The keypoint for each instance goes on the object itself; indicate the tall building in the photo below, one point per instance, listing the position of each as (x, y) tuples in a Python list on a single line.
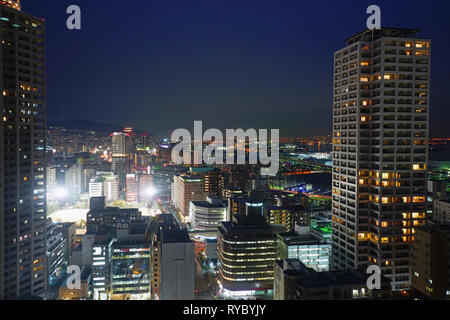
[(146, 189), (214, 183), (22, 154), (119, 157), (132, 188), (50, 183), (380, 132)]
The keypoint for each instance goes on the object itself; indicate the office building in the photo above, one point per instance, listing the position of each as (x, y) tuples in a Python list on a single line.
[(104, 184), (159, 224), (207, 215), (146, 188), (380, 150), (177, 269), (246, 251), (101, 256), (51, 185), (23, 220), (101, 217), (187, 188), (73, 181), (305, 246), (119, 157), (130, 263), (132, 188)]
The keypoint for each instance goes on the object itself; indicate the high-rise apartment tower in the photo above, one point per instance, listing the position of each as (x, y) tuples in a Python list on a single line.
[(22, 154), (380, 132)]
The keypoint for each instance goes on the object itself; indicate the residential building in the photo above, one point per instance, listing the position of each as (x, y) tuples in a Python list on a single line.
[(380, 150), (23, 219)]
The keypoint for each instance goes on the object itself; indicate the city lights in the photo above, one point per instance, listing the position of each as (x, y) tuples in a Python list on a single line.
[(333, 183)]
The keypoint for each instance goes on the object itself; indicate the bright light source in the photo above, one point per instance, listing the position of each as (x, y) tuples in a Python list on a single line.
[(61, 193), (150, 192)]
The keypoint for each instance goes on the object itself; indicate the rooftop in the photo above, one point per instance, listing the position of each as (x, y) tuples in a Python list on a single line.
[(371, 35), (175, 236)]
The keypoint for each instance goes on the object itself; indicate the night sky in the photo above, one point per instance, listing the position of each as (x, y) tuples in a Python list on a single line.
[(160, 65)]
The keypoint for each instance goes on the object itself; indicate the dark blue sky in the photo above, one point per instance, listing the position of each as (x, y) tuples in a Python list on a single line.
[(161, 64)]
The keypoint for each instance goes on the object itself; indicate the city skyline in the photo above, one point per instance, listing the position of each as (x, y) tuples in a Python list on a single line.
[(211, 61), (106, 195)]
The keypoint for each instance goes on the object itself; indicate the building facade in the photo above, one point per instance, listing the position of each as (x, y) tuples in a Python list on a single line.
[(430, 261), (23, 271), (380, 132), (246, 251), (207, 215)]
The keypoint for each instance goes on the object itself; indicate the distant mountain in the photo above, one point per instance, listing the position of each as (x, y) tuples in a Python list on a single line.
[(105, 128)]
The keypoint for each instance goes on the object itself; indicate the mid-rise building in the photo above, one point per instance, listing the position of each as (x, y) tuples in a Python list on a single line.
[(207, 215), (281, 216), (430, 261), (146, 187), (177, 269), (101, 257), (295, 281), (380, 149), (246, 250), (130, 263), (187, 188), (56, 252), (441, 211), (104, 184), (305, 246), (101, 217), (132, 188), (214, 183)]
